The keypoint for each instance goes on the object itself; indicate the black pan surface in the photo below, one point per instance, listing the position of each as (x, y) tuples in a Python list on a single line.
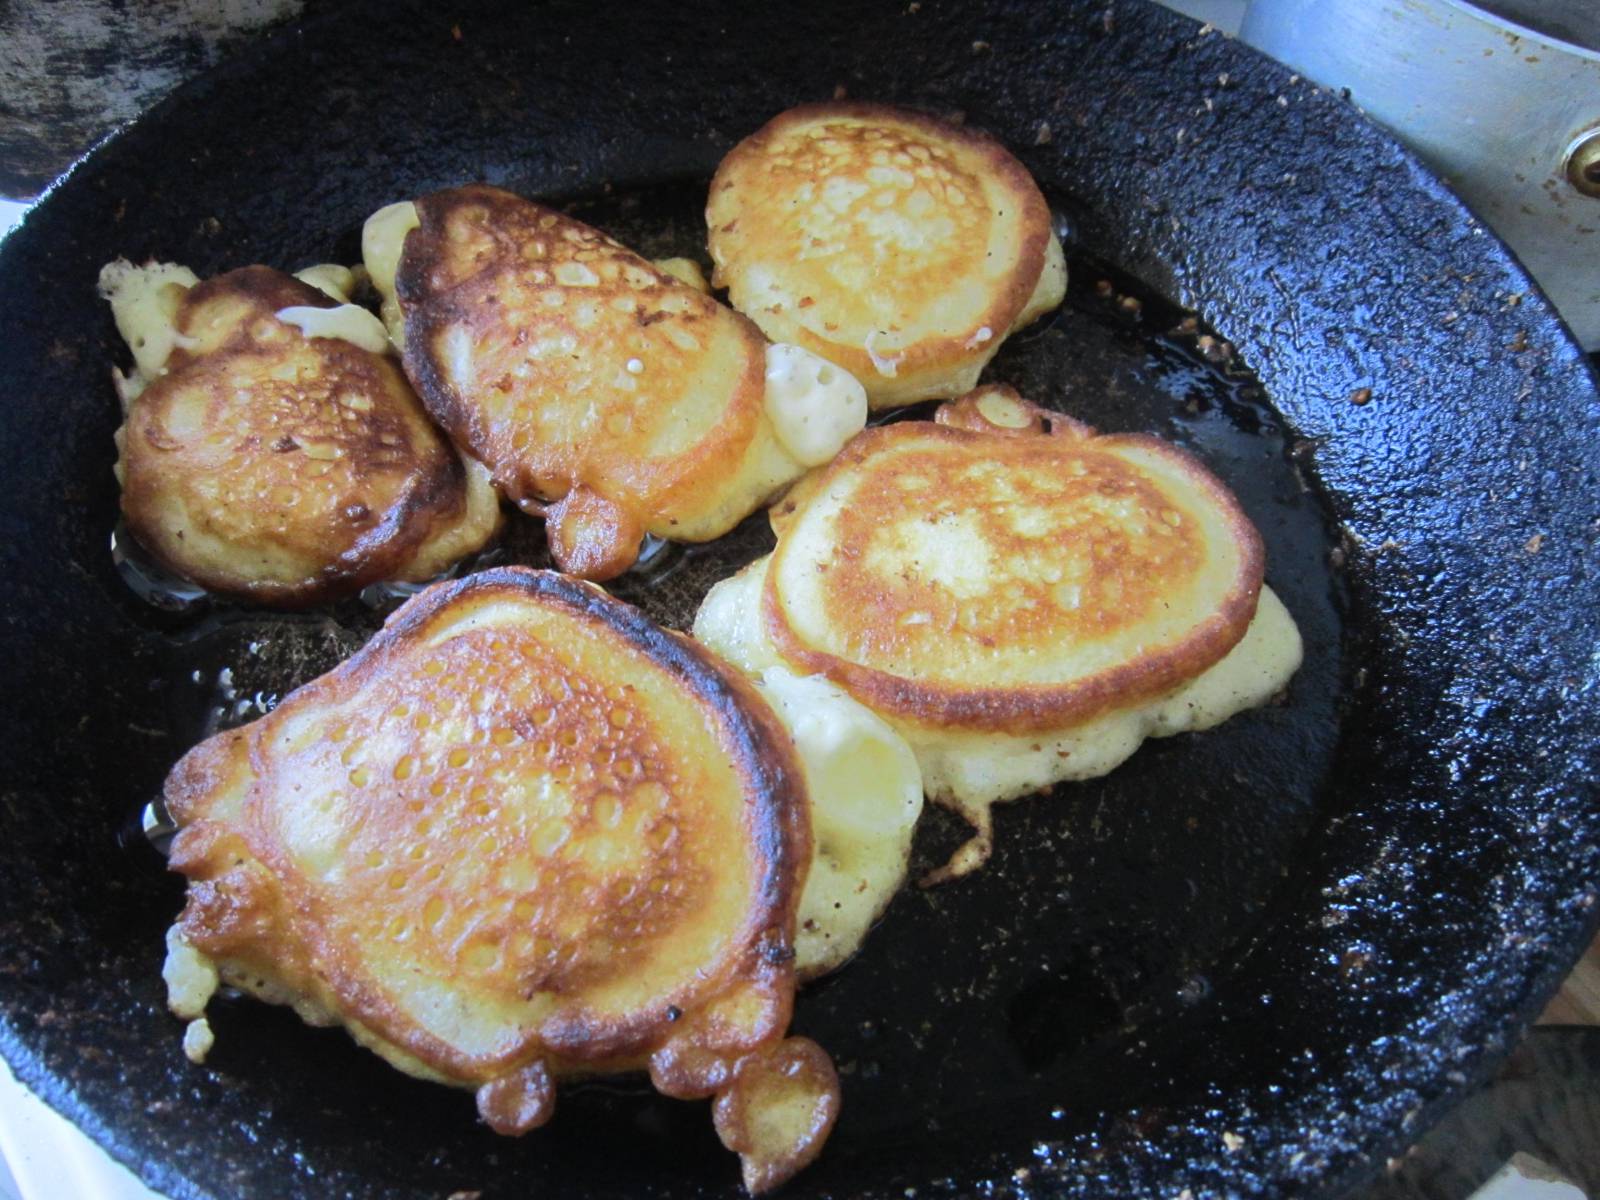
[(1252, 962)]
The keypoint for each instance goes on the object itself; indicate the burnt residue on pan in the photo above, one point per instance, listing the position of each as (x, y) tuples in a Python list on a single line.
[(1253, 961)]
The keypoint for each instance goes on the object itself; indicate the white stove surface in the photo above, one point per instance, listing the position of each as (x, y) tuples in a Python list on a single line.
[(44, 1157)]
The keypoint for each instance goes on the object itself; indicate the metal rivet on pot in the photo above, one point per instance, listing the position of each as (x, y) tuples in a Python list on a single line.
[(158, 825), (1583, 163)]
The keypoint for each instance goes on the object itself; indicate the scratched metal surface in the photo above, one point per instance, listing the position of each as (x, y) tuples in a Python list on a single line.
[(1254, 962)]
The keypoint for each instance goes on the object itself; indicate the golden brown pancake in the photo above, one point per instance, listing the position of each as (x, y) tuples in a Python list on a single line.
[(1022, 599), (602, 392), (523, 835), (1064, 572), (281, 468), (900, 247)]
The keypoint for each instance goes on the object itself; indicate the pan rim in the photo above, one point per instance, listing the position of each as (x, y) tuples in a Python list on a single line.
[(1186, 283)]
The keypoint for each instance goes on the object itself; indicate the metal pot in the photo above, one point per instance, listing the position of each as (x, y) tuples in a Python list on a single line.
[(1502, 99)]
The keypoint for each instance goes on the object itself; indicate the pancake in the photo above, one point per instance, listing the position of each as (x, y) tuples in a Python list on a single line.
[(524, 835), (271, 451), (1022, 599), (604, 393), (866, 795), (900, 247)]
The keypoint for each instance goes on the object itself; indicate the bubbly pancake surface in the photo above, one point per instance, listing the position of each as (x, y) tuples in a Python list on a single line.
[(511, 827), (898, 246), (1009, 579), (1020, 599), (289, 469), (597, 388), (522, 834)]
